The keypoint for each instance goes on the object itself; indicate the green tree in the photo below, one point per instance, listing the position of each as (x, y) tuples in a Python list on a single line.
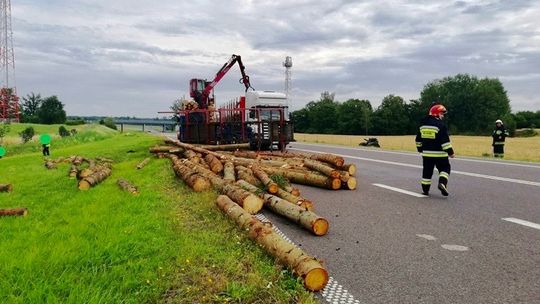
[(322, 114), (391, 117), (52, 111), (473, 104), (27, 134), (30, 107), (353, 117), (4, 129), (300, 120)]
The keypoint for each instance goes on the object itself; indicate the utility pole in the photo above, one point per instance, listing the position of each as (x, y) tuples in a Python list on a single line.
[(288, 65), (9, 102)]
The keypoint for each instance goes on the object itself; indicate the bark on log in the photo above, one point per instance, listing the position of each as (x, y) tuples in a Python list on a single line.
[(249, 177), (74, 172), (6, 187), (295, 199), (195, 148), (95, 178), (127, 186), (228, 172), (268, 183), (213, 162), (314, 275), (324, 169), (307, 178), (143, 163), (166, 149), (305, 218), (228, 147), (14, 211), (49, 164), (248, 201), (196, 181)]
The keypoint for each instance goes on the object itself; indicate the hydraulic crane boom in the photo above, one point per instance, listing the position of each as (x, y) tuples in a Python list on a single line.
[(200, 89)]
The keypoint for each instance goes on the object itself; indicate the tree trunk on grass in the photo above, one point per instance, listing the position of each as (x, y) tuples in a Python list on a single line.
[(314, 275), (14, 211), (49, 164), (213, 162), (74, 171), (95, 178), (229, 147), (6, 187), (143, 163), (195, 148), (196, 181), (270, 185), (228, 172), (127, 186)]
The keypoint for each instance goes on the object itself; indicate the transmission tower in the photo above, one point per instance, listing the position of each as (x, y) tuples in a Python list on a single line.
[(288, 65), (9, 102)]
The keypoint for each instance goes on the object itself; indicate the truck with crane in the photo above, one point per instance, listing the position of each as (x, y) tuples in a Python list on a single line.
[(260, 118)]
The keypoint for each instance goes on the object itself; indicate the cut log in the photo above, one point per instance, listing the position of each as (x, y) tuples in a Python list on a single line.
[(320, 167), (196, 181), (228, 172), (314, 275), (213, 162), (143, 163), (49, 164), (305, 218), (6, 187), (74, 172), (248, 201), (351, 168), (95, 178), (127, 186), (166, 149), (248, 176), (307, 178), (229, 147), (195, 148), (350, 184), (13, 212), (295, 199), (268, 183)]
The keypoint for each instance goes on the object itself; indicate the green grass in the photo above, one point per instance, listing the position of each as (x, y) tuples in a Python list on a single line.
[(167, 244)]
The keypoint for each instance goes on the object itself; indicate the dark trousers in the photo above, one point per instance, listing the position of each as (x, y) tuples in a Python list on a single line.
[(498, 150), (45, 150), (429, 163)]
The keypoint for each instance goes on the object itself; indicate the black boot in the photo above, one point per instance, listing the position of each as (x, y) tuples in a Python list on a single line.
[(425, 189)]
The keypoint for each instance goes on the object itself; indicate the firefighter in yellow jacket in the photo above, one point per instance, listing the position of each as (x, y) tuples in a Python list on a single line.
[(433, 142)]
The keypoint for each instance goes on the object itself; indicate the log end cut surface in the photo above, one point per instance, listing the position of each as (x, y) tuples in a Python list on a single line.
[(320, 226), (84, 185), (316, 279), (351, 184), (335, 184), (252, 204)]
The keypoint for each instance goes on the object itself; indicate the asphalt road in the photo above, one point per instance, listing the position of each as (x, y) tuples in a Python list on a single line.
[(386, 246)]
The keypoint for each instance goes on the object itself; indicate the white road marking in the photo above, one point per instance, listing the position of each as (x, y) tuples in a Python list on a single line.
[(504, 179), (400, 190), (455, 247), (427, 237), (521, 222), (501, 162), (332, 292)]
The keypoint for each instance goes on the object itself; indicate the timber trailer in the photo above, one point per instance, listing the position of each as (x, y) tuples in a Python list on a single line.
[(260, 118)]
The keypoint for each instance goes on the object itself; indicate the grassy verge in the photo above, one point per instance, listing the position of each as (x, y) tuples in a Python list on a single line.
[(517, 148), (167, 244)]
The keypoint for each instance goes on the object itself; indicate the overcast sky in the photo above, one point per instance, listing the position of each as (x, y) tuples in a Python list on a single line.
[(134, 57)]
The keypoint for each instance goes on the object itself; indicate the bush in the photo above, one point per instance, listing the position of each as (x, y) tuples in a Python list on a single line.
[(530, 132), (75, 122), (108, 122), (73, 132), (63, 131), (27, 134)]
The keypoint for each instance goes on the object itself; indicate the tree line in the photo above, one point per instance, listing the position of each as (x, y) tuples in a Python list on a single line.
[(48, 110), (473, 105)]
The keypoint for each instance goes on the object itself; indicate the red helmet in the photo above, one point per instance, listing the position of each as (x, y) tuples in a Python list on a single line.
[(436, 110)]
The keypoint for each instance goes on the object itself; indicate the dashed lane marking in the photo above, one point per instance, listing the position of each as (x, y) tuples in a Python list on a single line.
[(522, 222), (333, 292), (400, 190), (504, 179)]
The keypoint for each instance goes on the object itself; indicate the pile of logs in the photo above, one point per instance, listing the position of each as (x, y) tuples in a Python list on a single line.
[(249, 181), (88, 171)]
